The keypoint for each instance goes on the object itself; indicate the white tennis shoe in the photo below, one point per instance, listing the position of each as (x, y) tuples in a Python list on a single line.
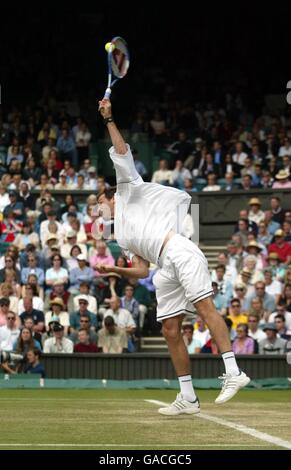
[(231, 384), (181, 406)]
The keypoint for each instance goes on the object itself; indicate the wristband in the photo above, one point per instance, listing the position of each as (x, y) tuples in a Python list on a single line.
[(107, 120)]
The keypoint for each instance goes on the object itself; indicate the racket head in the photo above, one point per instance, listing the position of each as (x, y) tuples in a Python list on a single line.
[(119, 57)]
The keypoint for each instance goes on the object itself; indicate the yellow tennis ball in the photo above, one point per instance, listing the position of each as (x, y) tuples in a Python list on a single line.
[(108, 45)]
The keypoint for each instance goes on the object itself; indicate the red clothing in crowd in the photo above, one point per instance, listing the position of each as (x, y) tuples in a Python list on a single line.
[(85, 348), (283, 251)]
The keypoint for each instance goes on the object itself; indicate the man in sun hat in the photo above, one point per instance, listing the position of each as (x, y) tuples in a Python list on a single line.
[(255, 213)]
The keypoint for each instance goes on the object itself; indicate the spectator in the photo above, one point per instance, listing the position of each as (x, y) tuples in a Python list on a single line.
[(282, 248), (243, 344), (281, 310), (272, 344), (9, 333), (273, 287), (220, 301), (82, 273), (201, 333), (264, 237), (58, 314), (83, 310), (282, 182), (280, 324), (211, 183), (163, 175), (83, 138), (278, 214), (71, 241), (58, 344), (56, 272), (235, 314), (25, 342), (4, 309), (240, 291), (32, 269), (267, 299), (29, 312), (254, 331), (256, 214), (85, 324), (33, 363), (67, 148), (84, 345), (101, 258), (129, 303), (92, 301), (122, 317), (239, 156), (27, 236), (111, 338), (193, 345), (28, 323)]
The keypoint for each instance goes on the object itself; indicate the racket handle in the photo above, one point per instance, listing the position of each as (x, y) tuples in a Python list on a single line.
[(107, 94)]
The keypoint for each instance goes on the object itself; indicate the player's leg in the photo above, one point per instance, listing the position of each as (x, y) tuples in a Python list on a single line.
[(191, 270), (186, 401)]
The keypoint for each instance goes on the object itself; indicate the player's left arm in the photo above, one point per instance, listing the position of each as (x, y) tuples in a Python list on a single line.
[(139, 268)]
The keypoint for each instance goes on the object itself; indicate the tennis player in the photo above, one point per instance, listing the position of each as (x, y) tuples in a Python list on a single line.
[(147, 220)]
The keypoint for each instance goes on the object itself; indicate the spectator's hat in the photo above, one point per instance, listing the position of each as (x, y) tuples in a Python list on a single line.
[(239, 285), (246, 272), (253, 244), (57, 301), (282, 175), (12, 193), (92, 169), (112, 274), (51, 237), (52, 322), (71, 234), (58, 282), (273, 255), (81, 257), (254, 201), (72, 214), (198, 140), (55, 247), (269, 326), (279, 233), (83, 297), (57, 327), (63, 173)]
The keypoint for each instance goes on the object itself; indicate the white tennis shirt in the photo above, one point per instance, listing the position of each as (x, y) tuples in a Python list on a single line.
[(144, 212)]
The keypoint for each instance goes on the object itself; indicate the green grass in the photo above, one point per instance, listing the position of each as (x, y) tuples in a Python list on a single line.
[(122, 419)]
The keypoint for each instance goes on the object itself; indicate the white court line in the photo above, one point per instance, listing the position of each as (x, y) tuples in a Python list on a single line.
[(125, 445), (238, 427)]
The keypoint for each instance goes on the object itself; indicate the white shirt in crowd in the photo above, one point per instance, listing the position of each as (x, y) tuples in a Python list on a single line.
[(275, 288), (257, 335), (287, 316), (239, 158), (202, 336), (122, 317), (8, 338), (52, 346)]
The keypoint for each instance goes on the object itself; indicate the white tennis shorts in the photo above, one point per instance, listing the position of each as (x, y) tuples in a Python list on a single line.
[(183, 278)]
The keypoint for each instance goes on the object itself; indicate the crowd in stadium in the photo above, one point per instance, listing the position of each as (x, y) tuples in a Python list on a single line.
[(52, 296)]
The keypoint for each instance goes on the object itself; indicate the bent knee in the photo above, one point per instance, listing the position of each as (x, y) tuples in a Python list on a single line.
[(171, 328)]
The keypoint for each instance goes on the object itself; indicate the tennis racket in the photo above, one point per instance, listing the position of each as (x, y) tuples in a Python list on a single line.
[(118, 62)]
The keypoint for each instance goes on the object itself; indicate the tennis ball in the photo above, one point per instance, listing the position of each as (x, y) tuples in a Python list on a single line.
[(108, 45)]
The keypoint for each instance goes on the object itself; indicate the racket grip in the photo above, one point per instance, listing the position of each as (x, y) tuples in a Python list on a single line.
[(107, 94)]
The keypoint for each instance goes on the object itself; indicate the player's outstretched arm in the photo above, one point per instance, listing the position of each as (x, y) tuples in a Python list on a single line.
[(116, 138), (139, 269)]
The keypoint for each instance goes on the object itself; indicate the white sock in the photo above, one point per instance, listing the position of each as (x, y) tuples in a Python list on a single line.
[(186, 387), (230, 363)]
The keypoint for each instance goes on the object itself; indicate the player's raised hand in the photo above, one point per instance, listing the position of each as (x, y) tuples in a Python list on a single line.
[(105, 108)]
